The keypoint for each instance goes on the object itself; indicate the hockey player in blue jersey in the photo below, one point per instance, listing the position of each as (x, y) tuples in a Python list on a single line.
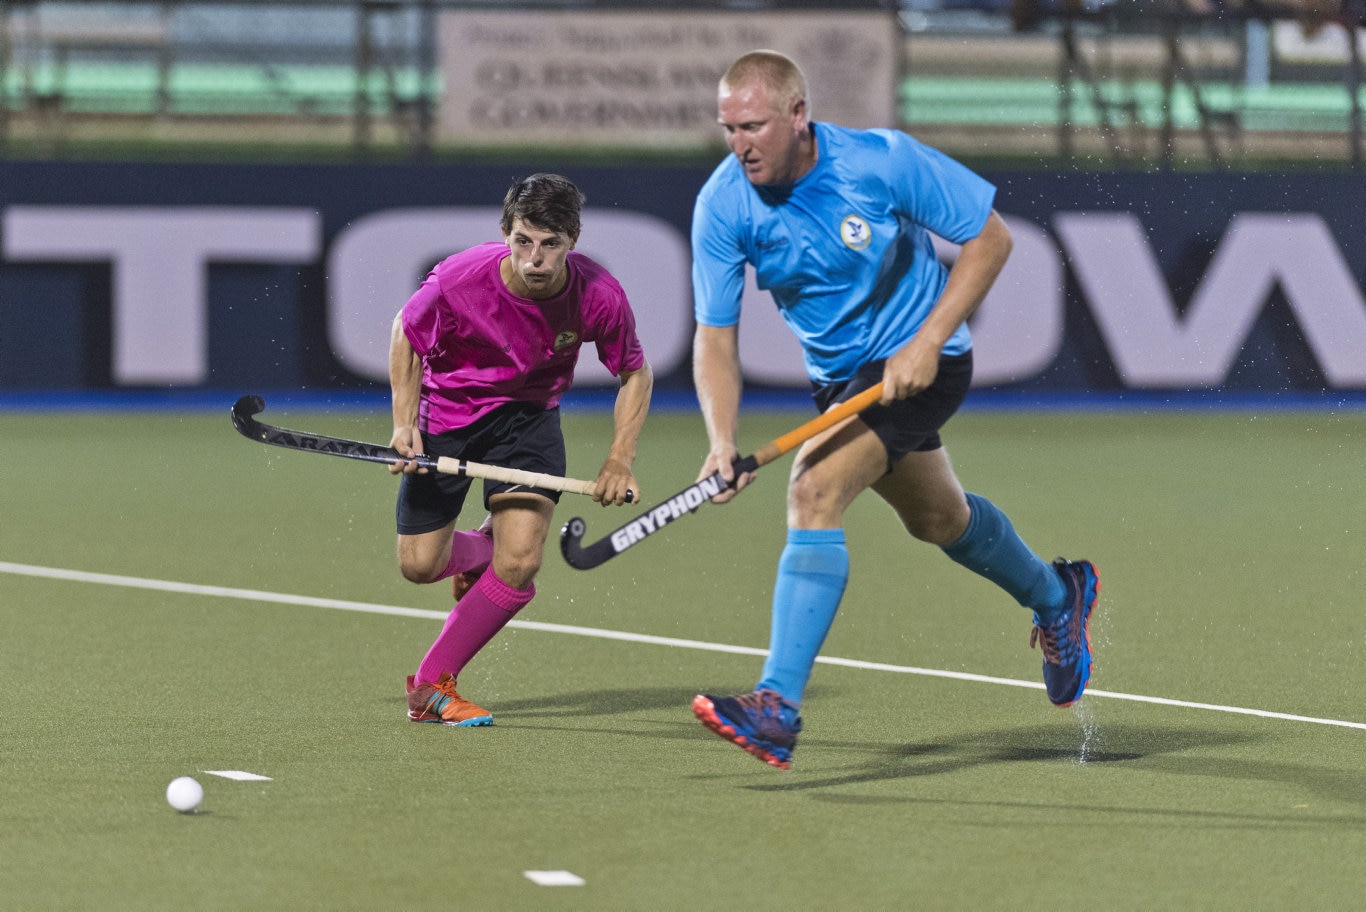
[(836, 223)]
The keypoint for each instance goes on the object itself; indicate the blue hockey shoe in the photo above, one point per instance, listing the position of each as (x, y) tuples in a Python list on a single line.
[(762, 722), (1066, 642)]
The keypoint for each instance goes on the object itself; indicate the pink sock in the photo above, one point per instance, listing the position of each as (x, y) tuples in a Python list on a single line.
[(469, 551), (474, 621)]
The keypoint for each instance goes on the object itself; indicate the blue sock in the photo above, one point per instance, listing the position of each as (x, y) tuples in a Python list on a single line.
[(991, 548), (811, 577)]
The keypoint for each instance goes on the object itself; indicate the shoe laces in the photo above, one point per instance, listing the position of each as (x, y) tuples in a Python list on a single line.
[(765, 704), (445, 688), (1054, 639)]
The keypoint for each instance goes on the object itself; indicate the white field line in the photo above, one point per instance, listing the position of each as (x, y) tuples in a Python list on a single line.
[(257, 595)]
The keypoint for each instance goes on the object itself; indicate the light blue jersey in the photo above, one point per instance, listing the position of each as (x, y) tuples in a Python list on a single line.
[(845, 251)]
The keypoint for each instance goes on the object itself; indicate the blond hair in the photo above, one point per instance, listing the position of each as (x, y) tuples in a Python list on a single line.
[(776, 72)]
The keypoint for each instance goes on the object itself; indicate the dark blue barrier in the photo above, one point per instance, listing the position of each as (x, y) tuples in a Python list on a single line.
[(1139, 284)]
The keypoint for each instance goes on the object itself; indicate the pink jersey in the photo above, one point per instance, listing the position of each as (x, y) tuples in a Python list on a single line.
[(482, 346)]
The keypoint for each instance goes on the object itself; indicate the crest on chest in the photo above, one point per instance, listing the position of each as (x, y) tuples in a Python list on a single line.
[(855, 232)]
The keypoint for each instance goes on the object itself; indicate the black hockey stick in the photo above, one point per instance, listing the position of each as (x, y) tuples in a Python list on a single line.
[(692, 497), (249, 427)]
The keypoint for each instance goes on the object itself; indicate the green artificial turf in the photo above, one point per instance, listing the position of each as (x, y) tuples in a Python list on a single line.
[(1230, 548)]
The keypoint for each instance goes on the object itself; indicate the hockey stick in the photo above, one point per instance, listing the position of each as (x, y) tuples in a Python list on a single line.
[(690, 498), (249, 427)]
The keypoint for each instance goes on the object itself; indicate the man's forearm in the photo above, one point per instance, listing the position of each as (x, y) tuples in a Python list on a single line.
[(628, 415), (971, 277), (716, 377)]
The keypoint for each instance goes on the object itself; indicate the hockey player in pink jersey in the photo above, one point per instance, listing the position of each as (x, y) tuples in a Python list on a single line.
[(478, 360)]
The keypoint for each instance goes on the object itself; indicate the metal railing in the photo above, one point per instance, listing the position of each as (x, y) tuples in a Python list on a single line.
[(1182, 81), (359, 75)]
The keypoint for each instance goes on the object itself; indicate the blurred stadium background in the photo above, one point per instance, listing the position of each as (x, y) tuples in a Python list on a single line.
[(219, 196), (1113, 82)]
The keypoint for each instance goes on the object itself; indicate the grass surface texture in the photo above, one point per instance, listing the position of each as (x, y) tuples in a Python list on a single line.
[(176, 599)]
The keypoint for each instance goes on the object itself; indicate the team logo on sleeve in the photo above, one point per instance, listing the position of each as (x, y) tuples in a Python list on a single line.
[(565, 339), (855, 233)]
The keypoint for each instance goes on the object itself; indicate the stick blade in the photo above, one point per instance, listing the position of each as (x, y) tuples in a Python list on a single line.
[(576, 555), (242, 410)]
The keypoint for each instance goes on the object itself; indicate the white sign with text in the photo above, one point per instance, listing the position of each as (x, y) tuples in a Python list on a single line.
[(597, 78), (160, 260)]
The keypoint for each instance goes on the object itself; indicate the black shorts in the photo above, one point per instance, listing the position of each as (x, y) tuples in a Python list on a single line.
[(516, 436), (910, 425)]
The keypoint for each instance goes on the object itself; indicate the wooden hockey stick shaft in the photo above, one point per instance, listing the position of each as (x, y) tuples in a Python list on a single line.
[(249, 427), (797, 436), (449, 466)]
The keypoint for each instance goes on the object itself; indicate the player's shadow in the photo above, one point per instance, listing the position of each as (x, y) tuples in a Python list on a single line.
[(1068, 741), (1167, 750), (599, 703)]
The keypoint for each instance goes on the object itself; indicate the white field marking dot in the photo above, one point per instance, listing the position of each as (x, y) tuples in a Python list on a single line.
[(239, 775), (554, 878)]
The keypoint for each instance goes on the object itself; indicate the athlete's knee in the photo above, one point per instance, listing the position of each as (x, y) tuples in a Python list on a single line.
[(519, 569), (932, 529), (418, 564), (939, 525), (413, 575), (813, 501), (415, 571)]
